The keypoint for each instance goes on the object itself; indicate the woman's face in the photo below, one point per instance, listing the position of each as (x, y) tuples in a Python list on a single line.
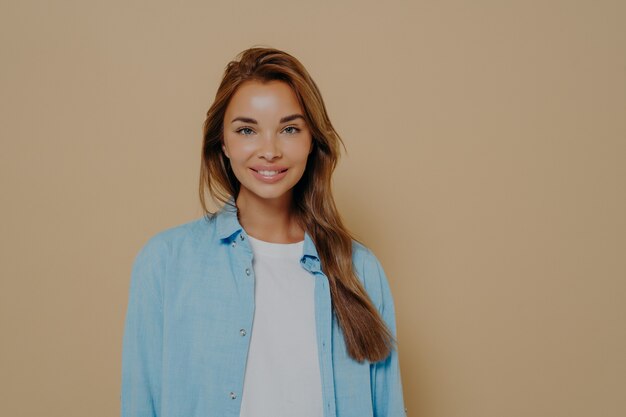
[(266, 139)]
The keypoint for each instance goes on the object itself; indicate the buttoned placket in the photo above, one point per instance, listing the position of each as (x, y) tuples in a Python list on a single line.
[(323, 320), (241, 255)]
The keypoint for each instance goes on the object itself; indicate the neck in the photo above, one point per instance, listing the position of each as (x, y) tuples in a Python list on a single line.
[(270, 220)]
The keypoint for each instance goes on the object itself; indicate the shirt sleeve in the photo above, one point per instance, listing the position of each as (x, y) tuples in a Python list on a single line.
[(388, 399), (143, 333)]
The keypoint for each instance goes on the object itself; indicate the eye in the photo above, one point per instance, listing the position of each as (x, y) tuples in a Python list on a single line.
[(246, 131), (292, 132)]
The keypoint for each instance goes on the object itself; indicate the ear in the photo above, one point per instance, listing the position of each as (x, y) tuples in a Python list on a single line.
[(224, 150)]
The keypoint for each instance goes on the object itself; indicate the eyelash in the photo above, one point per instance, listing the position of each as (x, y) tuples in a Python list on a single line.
[(247, 134)]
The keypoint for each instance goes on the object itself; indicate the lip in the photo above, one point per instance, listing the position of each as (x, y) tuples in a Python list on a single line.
[(268, 180), (268, 167)]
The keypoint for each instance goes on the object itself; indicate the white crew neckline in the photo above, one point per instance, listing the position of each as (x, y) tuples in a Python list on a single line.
[(277, 250)]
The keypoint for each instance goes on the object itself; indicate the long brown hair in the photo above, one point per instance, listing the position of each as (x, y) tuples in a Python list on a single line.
[(365, 333)]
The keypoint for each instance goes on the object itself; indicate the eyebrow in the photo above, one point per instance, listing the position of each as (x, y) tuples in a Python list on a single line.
[(283, 120)]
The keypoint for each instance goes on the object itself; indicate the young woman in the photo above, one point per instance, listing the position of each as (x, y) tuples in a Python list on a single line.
[(268, 307)]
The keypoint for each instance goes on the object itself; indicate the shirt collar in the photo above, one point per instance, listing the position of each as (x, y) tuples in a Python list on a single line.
[(228, 227)]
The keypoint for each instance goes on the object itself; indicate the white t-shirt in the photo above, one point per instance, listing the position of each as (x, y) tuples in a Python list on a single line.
[(282, 377)]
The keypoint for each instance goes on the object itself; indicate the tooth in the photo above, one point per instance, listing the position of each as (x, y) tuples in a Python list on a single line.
[(268, 173)]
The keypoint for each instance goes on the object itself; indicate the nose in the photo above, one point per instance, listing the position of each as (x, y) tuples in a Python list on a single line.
[(269, 148)]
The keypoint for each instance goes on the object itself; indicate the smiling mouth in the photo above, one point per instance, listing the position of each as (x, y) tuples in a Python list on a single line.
[(269, 173)]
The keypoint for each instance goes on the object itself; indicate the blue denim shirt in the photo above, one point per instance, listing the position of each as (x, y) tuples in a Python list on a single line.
[(189, 320)]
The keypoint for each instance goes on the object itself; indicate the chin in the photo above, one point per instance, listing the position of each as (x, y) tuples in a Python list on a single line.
[(270, 195), (266, 193)]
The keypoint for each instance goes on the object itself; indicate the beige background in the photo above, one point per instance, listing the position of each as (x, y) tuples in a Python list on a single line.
[(486, 169)]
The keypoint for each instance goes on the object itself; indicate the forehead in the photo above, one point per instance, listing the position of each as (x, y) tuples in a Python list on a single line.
[(272, 99)]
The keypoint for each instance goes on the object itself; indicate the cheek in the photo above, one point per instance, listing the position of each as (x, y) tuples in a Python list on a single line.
[(237, 149), (306, 151), (300, 150)]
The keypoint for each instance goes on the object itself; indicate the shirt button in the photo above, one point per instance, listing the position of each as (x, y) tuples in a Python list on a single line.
[(242, 332), (241, 237), (247, 271), (232, 395), (233, 244)]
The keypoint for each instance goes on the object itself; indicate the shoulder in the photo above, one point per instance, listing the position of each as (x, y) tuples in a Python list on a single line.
[(370, 271), (163, 243)]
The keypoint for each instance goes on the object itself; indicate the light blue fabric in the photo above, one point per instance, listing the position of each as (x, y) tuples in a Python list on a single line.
[(189, 320)]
